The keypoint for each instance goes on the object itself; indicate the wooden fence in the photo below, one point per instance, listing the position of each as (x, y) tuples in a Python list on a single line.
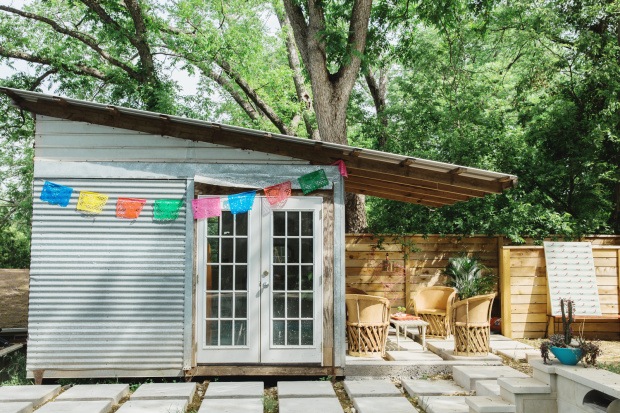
[(393, 267), (14, 298), (524, 294)]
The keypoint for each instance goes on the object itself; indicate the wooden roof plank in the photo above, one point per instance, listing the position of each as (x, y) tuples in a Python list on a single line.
[(370, 172)]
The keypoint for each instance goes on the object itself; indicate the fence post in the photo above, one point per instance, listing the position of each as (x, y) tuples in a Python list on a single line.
[(504, 279)]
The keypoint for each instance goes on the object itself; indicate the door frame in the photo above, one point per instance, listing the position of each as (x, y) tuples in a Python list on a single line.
[(262, 352)]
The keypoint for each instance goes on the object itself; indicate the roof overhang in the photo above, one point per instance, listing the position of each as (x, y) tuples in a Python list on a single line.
[(374, 173)]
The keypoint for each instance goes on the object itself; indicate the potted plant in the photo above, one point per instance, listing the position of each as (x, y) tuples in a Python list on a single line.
[(564, 347), (469, 276)]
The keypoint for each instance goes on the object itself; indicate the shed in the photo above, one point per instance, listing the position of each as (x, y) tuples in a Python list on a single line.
[(257, 293)]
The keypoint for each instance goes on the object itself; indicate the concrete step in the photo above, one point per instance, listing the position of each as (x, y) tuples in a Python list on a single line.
[(420, 388), (301, 389), (86, 392), (518, 354), (238, 405), (523, 385), (489, 404), (487, 388), (412, 356), (151, 406), (443, 404), (34, 394), (466, 376), (306, 405), (371, 388), (16, 407), (163, 391), (380, 405), (92, 406), (235, 390)]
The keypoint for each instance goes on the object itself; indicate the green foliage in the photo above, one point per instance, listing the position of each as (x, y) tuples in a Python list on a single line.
[(469, 277), (14, 373)]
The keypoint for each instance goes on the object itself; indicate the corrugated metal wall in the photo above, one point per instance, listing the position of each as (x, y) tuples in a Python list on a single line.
[(107, 293)]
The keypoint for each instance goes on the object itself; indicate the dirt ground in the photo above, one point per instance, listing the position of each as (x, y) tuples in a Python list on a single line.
[(13, 298)]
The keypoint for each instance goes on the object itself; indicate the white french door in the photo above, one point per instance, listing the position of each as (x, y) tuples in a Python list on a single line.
[(259, 292)]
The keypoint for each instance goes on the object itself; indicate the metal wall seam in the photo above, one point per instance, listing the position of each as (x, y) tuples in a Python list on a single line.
[(108, 293), (188, 331)]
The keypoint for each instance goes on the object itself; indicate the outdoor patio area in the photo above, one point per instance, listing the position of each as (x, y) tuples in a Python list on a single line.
[(409, 359)]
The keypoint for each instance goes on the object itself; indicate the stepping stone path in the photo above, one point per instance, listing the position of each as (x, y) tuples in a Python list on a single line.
[(160, 398), (36, 395), (233, 397), (92, 406), (421, 388), (16, 407), (87, 392), (377, 396), (307, 397), (466, 376)]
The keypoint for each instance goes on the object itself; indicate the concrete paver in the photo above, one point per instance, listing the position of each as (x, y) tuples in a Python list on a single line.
[(370, 388), (419, 387), (93, 406), (16, 407), (466, 376), (510, 345), (299, 389), (499, 337), (153, 406), (412, 356), (444, 404), (383, 404), (84, 392), (518, 354), (490, 404), (235, 390), (487, 388), (310, 405), (159, 391), (246, 405), (34, 394), (490, 357)]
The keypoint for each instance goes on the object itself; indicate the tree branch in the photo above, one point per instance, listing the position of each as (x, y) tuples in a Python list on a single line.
[(300, 27), (356, 44), (78, 69), (300, 88), (86, 40), (139, 41), (254, 97)]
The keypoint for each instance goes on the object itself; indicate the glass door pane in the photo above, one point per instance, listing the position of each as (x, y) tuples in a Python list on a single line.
[(226, 294), (293, 292)]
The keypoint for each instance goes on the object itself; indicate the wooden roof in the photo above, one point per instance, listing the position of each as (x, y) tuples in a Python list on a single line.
[(374, 173)]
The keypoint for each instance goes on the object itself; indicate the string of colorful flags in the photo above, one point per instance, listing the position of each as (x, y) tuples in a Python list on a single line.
[(202, 208)]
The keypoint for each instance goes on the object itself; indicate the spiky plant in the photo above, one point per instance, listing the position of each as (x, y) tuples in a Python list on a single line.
[(469, 276)]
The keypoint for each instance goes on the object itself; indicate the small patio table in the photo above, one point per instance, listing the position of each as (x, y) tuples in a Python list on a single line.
[(404, 324)]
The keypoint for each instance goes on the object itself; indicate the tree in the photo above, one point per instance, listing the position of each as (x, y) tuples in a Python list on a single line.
[(333, 58)]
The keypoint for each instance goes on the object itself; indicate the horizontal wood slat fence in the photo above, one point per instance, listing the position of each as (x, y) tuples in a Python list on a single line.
[(393, 267)]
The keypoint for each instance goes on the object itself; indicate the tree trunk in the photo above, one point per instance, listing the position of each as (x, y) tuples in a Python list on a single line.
[(331, 91), (355, 219)]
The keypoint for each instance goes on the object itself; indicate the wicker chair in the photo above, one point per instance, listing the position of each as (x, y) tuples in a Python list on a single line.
[(471, 325), (434, 305), (368, 319)]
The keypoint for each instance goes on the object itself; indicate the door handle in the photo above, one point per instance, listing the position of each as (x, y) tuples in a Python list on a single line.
[(265, 284)]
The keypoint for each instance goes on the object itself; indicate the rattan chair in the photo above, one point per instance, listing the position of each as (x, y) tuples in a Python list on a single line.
[(434, 305), (368, 319), (471, 325)]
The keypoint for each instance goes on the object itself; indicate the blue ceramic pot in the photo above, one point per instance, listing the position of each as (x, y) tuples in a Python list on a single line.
[(569, 356)]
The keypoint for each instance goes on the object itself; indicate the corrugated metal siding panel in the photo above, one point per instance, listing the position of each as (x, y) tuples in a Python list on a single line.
[(107, 293), (67, 140)]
